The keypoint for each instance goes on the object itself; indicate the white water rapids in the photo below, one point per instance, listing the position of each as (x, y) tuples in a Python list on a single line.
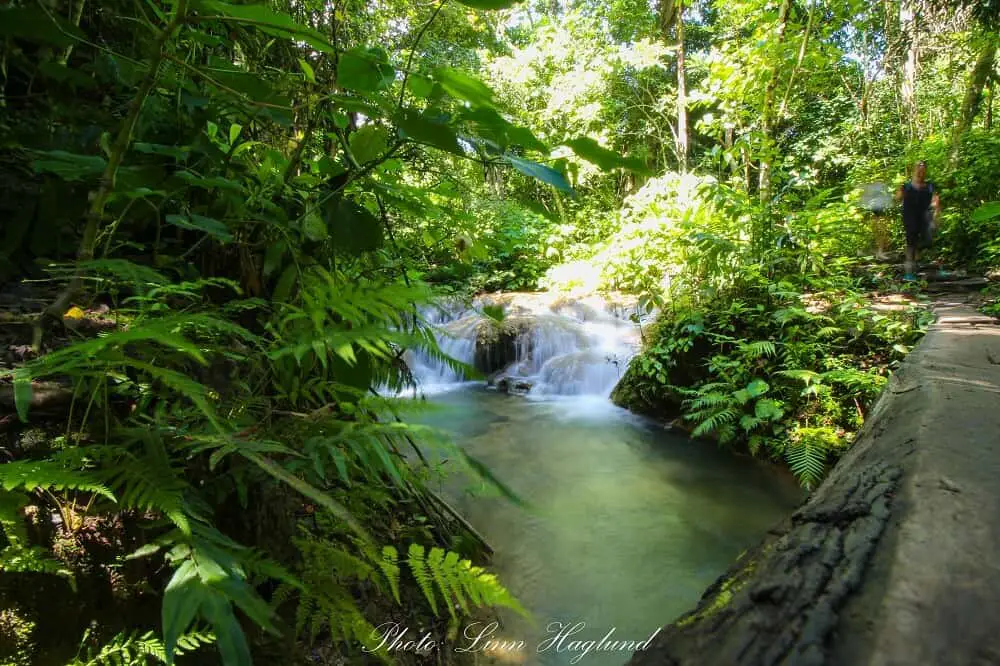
[(554, 346)]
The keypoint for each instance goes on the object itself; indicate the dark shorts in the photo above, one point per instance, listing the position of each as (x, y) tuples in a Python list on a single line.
[(914, 230)]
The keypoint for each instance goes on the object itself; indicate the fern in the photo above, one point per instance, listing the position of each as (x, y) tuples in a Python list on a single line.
[(807, 462), (715, 422), (807, 452), (418, 567), (325, 602), (130, 649), (805, 376), (759, 348), (49, 475), (711, 400), (453, 578), (389, 565)]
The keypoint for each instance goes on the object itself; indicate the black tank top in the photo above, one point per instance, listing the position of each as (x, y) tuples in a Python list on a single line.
[(916, 201)]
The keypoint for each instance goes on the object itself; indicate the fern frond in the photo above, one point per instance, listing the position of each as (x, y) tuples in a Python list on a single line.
[(802, 375), (132, 649), (149, 483), (715, 422), (17, 558), (435, 563), (10, 516), (418, 567), (806, 462), (389, 565), (50, 475), (711, 400), (759, 348)]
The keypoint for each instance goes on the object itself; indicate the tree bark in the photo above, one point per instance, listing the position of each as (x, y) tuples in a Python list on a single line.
[(989, 104), (682, 123), (670, 14), (768, 112), (973, 96)]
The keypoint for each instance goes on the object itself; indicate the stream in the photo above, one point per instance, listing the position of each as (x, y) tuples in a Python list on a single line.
[(628, 522)]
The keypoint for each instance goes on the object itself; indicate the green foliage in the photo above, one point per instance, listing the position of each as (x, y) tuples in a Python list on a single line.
[(136, 650), (261, 193), (797, 392), (439, 576), (456, 580)]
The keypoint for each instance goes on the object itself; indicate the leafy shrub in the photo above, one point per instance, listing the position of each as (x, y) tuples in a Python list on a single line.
[(785, 369)]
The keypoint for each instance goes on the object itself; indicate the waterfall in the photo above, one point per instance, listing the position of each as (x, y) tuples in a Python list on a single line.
[(543, 346)]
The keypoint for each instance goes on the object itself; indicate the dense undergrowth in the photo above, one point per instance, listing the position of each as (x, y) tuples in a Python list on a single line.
[(784, 369), (221, 220)]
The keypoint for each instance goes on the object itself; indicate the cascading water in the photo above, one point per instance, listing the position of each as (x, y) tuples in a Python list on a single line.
[(542, 346), (628, 523)]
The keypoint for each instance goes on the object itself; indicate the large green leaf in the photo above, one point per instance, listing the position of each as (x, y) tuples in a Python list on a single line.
[(986, 212), (365, 70), (181, 600), (271, 22), (368, 143), (353, 227), (69, 166), (429, 130), (22, 397), (33, 24), (605, 159), (209, 225), (486, 123), (540, 171), (461, 85)]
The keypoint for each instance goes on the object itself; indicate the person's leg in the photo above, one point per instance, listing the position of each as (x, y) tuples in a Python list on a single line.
[(912, 239)]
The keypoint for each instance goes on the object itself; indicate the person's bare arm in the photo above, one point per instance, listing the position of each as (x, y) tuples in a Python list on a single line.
[(936, 203), (899, 194)]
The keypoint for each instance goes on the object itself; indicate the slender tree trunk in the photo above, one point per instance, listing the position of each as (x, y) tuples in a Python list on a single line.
[(670, 14), (768, 112), (908, 84), (989, 104), (973, 96), (798, 61), (99, 197), (682, 120)]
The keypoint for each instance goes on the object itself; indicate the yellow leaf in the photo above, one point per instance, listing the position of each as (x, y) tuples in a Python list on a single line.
[(74, 313)]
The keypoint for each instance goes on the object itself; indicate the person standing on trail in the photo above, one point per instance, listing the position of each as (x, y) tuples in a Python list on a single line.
[(919, 198)]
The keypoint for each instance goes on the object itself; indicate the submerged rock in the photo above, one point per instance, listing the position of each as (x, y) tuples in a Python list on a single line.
[(514, 385)]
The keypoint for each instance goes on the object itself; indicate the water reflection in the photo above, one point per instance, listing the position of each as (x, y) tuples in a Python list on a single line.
[(629, 524)]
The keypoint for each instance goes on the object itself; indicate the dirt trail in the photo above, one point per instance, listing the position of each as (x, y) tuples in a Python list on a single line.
[(894, 559)]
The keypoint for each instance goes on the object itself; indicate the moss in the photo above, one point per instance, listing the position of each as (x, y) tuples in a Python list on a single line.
[(722, 598), (728, 588)]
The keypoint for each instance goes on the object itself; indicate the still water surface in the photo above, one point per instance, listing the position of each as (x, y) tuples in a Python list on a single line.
[(628, 523)]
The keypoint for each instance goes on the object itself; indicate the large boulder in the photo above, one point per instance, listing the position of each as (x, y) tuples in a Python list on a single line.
[(497, 342)]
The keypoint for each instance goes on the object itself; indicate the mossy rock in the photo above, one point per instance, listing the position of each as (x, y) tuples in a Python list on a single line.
[(637, 394), (496, 342)]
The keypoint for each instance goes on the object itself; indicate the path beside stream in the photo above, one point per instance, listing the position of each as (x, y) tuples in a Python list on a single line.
[(893, 561)]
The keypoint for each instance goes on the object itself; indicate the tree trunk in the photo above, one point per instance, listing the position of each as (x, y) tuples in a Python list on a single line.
[(989, 105), (670, 14), (908, 84), (973, 96), (768, 112), (682, 124)]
